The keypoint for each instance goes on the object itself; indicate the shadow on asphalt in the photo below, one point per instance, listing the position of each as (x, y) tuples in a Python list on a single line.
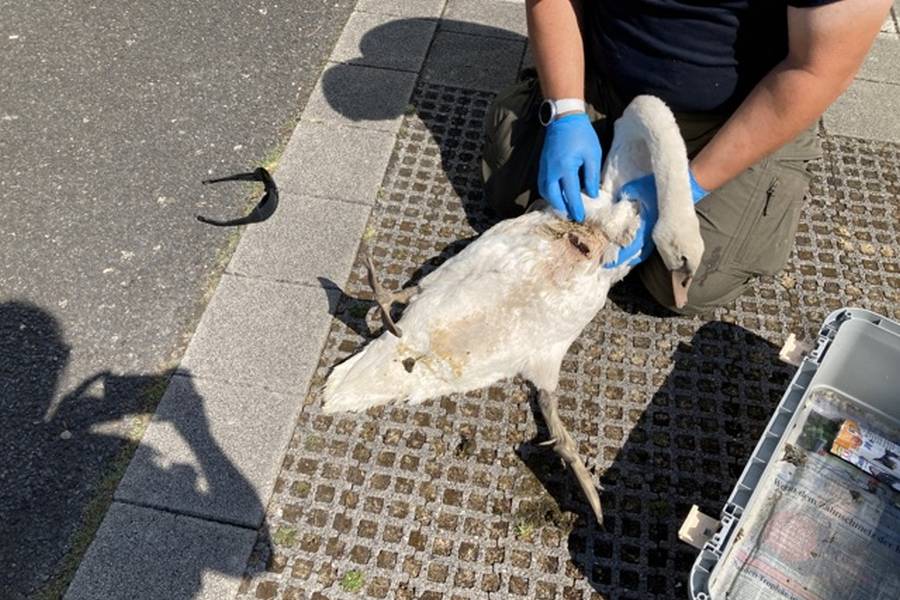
[(688, 447), (47, 452)]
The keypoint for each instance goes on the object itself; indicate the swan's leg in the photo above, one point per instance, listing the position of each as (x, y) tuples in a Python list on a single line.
[(384, 298), (564, 445)]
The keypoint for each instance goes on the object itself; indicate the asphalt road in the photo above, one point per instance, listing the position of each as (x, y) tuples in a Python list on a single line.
[(110, 115)]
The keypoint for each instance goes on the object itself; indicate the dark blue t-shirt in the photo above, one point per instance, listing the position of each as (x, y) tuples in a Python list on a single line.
[(698, 56)]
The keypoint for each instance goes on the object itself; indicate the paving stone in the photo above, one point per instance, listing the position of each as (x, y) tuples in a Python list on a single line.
[(335, 162), (144, 554), (883, 62), (403, 8), (866, 110), (262, 333), (453, 498), (212, 451), (362, 96), (471, 61), (308, 240), (384, 41), (486, 17)]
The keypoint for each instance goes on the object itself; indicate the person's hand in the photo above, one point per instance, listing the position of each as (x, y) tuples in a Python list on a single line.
[(643, 191), (571, 144)]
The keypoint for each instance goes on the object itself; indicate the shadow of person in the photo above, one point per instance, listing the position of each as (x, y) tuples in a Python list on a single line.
[(211, 483), (195, 478), (59, 462), (687, 447), (457, 132)]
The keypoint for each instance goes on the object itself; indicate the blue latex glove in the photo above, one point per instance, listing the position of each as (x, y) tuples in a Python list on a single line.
[(570, 144), (643, 191)]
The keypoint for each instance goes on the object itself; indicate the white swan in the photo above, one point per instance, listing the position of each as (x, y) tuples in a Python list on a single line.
[(513, 301)]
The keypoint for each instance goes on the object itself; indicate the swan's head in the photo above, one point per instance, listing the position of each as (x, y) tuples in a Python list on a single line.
[(680, 246)]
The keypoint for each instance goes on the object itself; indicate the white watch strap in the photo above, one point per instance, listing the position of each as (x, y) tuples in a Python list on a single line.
[(569, 105)]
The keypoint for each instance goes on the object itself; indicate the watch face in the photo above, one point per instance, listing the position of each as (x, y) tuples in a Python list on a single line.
[(545, 114)]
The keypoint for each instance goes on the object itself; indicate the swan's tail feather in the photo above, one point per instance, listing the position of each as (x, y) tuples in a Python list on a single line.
[(372, 377)]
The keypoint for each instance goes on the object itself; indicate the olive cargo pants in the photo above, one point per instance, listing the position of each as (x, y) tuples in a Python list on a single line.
[(748, 225)]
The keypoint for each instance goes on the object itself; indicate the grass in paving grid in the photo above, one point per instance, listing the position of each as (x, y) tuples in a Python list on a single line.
[(352, 581), (454, 499)]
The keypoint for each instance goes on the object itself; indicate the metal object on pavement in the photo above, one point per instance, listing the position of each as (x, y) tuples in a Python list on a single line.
[(264, 209)]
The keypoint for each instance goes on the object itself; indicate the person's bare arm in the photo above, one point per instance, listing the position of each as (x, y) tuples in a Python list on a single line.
[(827, 46), (557, 46), (571, 155)]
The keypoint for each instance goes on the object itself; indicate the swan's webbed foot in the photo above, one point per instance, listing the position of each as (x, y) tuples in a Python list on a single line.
[(384, 299), (565, 446)]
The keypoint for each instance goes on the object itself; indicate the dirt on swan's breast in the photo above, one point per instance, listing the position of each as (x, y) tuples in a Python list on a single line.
[(444, 348), (475, 337)]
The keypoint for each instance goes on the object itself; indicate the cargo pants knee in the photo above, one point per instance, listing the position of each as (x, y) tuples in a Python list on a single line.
[(748, 225)]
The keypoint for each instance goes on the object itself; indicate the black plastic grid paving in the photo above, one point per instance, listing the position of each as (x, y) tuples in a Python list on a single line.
[(454, 499)]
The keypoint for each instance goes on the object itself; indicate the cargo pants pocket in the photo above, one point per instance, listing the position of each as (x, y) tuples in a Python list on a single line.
[(767, 244)]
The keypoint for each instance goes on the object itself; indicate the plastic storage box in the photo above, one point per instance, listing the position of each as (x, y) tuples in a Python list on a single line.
[(803, 522)]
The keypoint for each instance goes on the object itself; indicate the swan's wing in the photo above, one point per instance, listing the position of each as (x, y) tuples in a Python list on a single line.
[(488, 253)]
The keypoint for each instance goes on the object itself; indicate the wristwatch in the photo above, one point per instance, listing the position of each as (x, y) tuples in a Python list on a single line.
[(551, 108)]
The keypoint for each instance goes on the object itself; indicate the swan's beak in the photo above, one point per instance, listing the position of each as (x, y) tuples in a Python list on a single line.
[(681, 281)]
